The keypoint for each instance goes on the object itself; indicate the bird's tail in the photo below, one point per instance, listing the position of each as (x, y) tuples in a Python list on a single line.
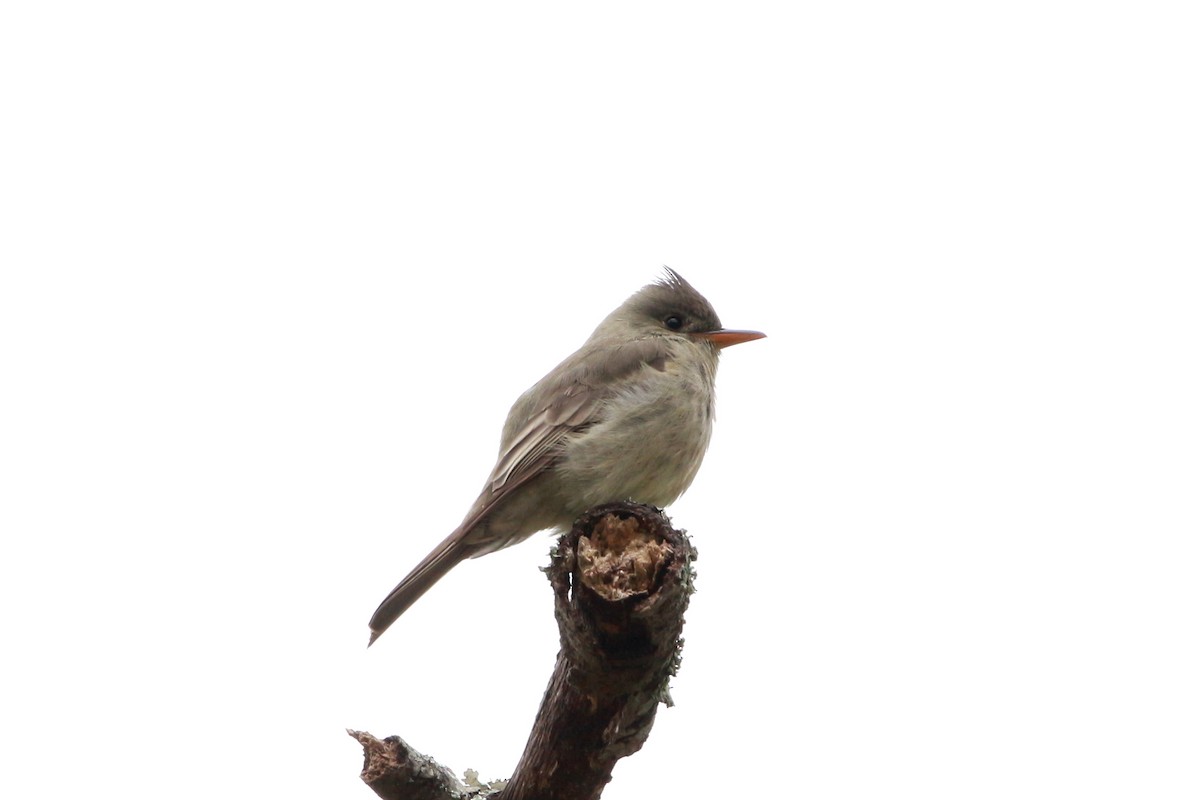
[(431, 569)]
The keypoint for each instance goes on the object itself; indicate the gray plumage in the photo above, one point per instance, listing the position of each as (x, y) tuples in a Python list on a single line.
[(627, 416)]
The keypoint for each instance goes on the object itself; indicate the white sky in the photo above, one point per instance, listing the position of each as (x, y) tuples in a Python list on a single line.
[(274, 272)]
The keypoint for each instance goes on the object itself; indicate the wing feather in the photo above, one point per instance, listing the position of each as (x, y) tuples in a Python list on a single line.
[(563, 404)]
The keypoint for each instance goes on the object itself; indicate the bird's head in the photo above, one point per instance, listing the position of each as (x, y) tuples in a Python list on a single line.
[(671, 307)]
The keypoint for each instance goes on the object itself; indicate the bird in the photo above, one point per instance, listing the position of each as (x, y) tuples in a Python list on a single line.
[(628, 416)]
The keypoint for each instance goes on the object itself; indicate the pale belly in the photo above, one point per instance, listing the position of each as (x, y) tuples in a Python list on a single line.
[(648, 447)]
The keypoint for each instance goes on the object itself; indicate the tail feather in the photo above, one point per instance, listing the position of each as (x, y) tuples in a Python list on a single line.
[(431, 569)]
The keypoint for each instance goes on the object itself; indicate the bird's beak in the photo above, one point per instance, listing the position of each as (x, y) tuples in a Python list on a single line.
[(727, 338)]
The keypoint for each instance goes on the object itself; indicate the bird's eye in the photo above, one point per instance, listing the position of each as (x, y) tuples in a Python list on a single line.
[(673, 322)]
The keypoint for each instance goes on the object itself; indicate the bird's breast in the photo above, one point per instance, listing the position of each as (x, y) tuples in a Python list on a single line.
[(648, 441)]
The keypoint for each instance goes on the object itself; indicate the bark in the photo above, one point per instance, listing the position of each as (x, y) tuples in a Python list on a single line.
[(621, 579)]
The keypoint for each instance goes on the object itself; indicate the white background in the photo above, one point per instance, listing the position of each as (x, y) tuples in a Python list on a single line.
[(274, 272)]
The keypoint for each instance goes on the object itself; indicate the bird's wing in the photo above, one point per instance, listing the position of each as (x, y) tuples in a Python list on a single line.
[(570, 411), (571, 402)]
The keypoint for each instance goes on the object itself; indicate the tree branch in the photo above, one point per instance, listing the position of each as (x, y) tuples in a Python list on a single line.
[(621, 579)]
